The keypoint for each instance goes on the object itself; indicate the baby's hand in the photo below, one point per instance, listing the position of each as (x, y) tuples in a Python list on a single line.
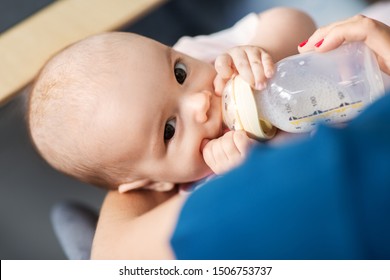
[(228, 151), (252, 63)]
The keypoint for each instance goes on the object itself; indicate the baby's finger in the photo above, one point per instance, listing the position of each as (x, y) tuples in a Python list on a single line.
[(208, 155), (242, 65), (255, 61), (221, 154), (268, 65), (215, 156), (224, 66), (243, 143), (233, 154), (229, 147)]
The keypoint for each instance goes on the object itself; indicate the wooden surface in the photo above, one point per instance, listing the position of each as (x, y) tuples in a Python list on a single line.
[(25, 47)]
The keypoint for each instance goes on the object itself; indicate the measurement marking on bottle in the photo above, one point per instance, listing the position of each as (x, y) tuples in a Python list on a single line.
[(318, 114), (313, 101)]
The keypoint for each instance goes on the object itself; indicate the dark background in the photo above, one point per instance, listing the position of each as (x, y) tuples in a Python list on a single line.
[(29, 187)]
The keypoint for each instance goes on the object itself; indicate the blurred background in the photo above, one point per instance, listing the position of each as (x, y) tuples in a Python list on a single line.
[(29, 188)]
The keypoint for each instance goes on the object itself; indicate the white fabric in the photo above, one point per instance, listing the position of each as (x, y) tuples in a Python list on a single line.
[(208, 47)]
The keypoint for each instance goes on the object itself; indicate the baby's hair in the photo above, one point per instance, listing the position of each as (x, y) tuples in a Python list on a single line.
[(61, 108)]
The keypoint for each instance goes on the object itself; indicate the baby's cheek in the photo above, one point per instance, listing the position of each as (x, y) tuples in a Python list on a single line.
[(194, 167)]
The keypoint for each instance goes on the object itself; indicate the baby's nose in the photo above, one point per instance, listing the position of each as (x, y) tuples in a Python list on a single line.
[(200, 103)]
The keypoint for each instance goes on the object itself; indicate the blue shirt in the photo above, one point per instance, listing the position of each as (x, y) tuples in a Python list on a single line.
[(326, 197)]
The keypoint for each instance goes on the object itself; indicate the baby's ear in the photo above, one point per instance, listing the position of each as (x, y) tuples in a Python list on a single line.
[(135, 184), (146, 184), (160, 186)]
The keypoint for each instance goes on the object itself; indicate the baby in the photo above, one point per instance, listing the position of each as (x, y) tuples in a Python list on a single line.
[(119, 110)]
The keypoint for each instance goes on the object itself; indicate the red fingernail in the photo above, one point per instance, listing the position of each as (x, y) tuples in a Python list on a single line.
[(303, 43), (319, 43)]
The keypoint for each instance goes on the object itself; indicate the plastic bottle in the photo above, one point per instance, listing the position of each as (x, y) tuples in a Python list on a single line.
[(306, 89)]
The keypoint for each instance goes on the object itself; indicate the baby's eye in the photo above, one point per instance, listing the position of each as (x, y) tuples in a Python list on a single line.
[(169, 130), (180, 72)]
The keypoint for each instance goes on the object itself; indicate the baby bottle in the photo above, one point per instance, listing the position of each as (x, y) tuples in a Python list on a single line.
[(307, 89)]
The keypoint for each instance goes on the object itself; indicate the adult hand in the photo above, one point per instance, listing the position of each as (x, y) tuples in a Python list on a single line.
[(375, 34)]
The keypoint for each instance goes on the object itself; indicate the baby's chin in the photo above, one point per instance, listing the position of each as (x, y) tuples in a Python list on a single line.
[(201, 174), (208, 173)]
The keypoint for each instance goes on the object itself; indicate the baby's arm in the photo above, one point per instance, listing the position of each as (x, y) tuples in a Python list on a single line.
[(267, 29), (280, 30), (375, 34), (136, 225)]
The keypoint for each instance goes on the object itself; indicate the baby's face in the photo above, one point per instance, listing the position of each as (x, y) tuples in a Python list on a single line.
[(158, 112)]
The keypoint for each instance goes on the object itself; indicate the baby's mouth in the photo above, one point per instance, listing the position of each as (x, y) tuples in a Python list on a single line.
[(225, 129)]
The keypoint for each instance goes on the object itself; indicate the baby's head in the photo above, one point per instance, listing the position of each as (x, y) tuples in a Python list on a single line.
[(118, 108)]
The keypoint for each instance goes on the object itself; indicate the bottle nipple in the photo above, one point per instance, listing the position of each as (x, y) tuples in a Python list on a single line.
[(240, 112)]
